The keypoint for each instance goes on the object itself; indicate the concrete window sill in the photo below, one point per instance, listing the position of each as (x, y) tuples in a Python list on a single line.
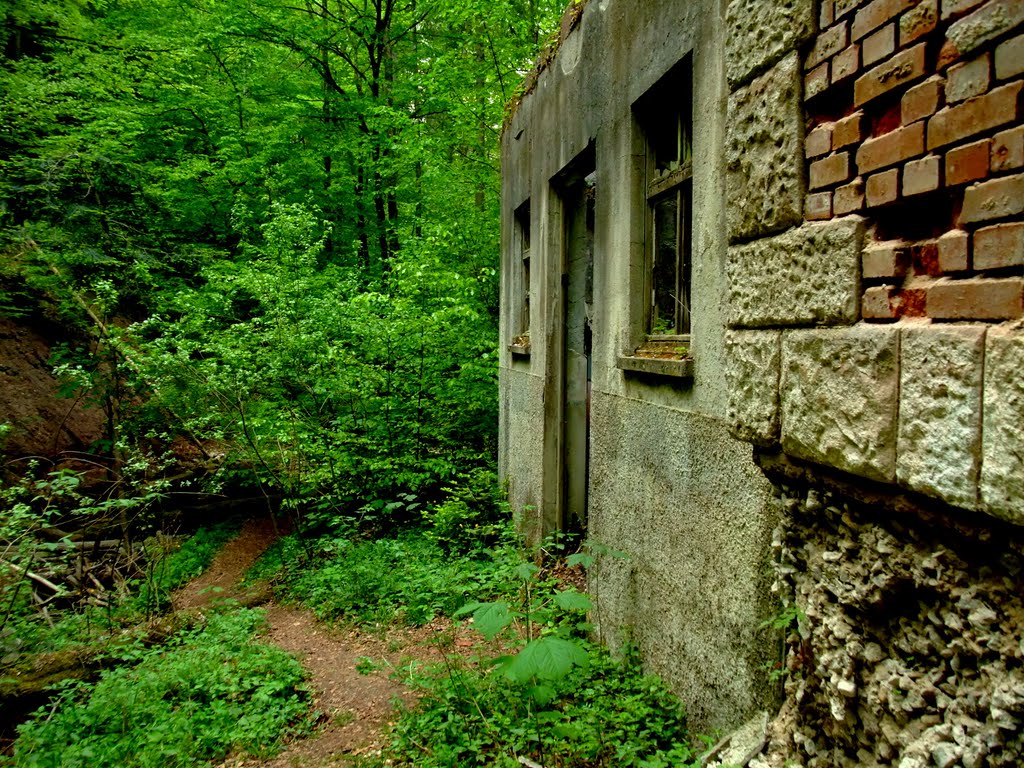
[(681, 368), (520, 351)]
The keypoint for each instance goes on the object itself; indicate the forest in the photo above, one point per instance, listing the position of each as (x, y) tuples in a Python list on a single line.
[(267, 233)]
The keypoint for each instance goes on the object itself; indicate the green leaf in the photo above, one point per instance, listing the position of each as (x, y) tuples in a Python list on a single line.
[(580, 558), (571, 600), (547, 658), (491, 618), (526, 571)]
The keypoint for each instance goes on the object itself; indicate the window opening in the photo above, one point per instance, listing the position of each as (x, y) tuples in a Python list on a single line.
[(664, 114), (521, 321)]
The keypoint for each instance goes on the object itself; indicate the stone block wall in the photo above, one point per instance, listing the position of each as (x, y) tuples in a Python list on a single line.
[(875, 345), (875, 190)]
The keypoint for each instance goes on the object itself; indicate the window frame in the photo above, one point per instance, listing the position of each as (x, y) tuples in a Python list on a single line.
[(665, 173), (520, 319)]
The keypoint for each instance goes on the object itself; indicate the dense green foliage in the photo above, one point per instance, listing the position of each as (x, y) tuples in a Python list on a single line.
[(607, 713), (209, 691), (271, 232), (403, 561), (536, 685), (273, 225)]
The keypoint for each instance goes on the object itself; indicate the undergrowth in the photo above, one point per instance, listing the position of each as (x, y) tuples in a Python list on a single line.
[(405, 579), (536, 687), (174, 568), (604, 713), (208, 692), (24, 629)]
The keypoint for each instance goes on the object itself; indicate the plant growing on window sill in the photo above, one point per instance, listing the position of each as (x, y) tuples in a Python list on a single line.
[(664, 356), (520, 346)]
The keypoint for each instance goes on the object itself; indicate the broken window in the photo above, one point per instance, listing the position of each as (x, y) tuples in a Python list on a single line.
[(664, 116), (521, 317), (522, 224)]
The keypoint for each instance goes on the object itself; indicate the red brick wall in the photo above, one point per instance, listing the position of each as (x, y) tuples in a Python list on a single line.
[(914, 116)]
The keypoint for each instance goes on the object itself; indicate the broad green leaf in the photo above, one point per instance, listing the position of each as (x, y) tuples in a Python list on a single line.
[(492, 618), (547, 658), (571, 600), (580, 558), (526, 571)]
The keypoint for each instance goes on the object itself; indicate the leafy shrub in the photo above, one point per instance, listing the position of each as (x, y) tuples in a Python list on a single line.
[(474, 516), (407, 578), (211, 691), (606, 713)]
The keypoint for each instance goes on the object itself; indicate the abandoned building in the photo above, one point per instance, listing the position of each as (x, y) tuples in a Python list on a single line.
[(762, 287)]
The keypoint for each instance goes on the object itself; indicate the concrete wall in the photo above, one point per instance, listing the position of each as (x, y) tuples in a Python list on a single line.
[(668, 485)]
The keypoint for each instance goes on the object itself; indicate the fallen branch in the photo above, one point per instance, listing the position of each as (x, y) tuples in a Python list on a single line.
[(34, 576), (528, 762)]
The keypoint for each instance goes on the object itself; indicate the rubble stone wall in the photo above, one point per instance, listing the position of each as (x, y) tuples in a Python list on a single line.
[(906, 645)]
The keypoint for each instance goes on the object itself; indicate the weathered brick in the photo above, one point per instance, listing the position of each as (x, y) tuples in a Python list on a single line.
[(848, 198), (997, 107), (819, 141), (826, 45), (999, 246), (976, 298), (991, 20), (918, 22), (885, 259), (819, 206), (924, 258), (952, 250), (1008, 149), (879, 303), (922, 100), (826, 13), (847, 131), (971, 78), (843, 7), (920, 176), (968, 163), (995, 199), (875, 14), (830, 170), (951, 8), (1010, 58), (948, 54), (911, 302), (902, 68), (878, 45), (883, 188), (891, 148), (846, 63), (816, 81)]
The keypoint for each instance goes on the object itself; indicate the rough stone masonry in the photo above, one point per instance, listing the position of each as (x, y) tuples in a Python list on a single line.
[(875, 352)]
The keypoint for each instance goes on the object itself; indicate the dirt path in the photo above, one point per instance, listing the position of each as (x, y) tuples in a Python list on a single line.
[(356, 707)]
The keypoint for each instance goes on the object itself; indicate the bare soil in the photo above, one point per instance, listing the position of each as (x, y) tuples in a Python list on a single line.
[(356, 708)]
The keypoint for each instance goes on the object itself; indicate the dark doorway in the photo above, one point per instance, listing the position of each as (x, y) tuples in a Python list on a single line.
[(579, 197)]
